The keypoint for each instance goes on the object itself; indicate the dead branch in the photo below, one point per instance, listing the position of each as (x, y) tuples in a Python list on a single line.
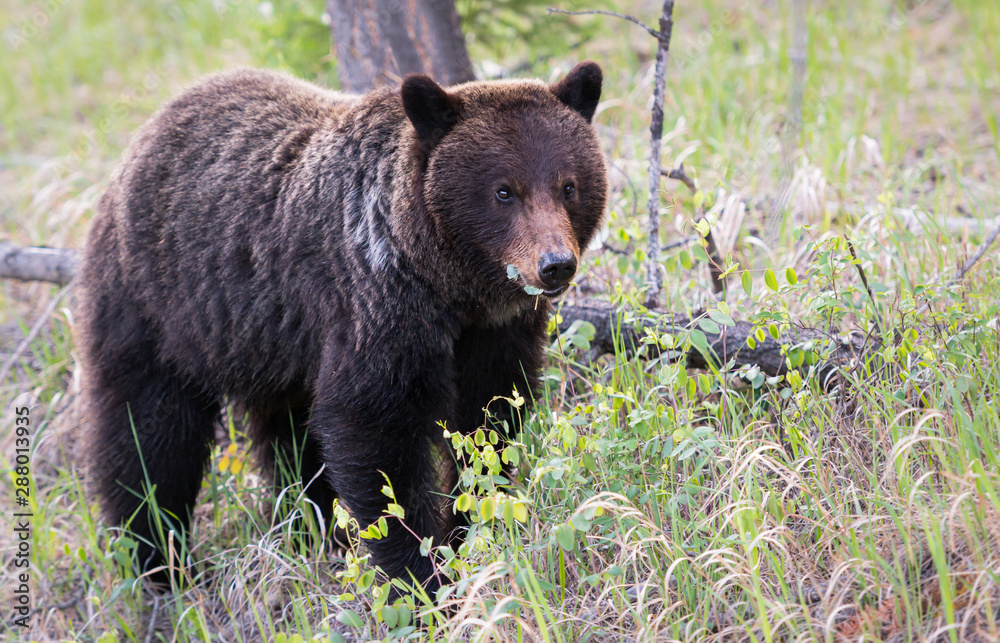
[(54, 265), (714, 260), (678, 174), (987, 242), (43, 319), (864, 282), (624, 16), (656, 133)]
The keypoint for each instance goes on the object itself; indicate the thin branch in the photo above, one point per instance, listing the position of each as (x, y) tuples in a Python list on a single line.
[(678, 174), (715, 260), (30, 337), (624, 16), (680, 243), (864, 280), (151, 629), (987, 242), (617, 251)]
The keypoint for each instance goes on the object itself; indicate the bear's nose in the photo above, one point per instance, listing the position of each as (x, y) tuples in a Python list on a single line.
[(555, 269)]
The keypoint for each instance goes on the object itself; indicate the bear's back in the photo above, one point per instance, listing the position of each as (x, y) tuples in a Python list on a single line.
[(190, 223)]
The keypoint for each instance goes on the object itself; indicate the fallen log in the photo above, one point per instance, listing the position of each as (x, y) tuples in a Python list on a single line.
[(611, 325), (55, 265)]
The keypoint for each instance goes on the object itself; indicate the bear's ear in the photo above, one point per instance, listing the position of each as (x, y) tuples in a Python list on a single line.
[(431, 109), (581, 89)]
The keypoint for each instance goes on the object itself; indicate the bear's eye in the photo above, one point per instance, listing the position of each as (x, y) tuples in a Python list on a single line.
[(504, 194), (569, 189)]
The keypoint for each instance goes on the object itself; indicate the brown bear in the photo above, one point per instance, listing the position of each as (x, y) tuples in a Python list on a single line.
[(338, 268)]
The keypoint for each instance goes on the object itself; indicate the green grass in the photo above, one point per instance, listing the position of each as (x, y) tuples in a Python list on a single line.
[(653, 501)]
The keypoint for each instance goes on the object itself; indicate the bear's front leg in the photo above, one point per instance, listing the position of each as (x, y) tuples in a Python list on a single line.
[(376, 415), (491, 361)]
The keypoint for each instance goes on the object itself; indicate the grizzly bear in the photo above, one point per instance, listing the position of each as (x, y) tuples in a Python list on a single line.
[(338, 268)]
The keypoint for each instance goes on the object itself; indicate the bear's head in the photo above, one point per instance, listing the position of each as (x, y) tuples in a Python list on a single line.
[(513, 175)]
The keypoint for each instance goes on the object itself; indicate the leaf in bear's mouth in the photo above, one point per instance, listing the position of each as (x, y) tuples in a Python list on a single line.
[(531, 290), (512, 271)]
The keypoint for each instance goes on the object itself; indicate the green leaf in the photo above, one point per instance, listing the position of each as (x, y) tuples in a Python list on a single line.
[(709, 326), (698, 339), (790, 276), (770, 280), (531, 290), (747, 283), (700, 254), (465, 502), (589, 463), (685, 259), (721, 317), (772, 329), (520, 511), (389, 616), (580, 522), (512, 271), (350, 619), (566, 537), (488, 509)]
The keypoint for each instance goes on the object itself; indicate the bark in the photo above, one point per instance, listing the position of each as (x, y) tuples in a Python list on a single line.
[(379, 41), (37, 264)]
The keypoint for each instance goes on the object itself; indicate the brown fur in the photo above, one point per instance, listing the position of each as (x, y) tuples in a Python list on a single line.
[(336, 266)]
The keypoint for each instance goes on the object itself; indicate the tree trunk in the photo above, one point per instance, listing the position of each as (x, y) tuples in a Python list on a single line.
[(380, 41)]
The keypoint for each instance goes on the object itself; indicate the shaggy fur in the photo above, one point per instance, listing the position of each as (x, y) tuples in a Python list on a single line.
[(336, 266)]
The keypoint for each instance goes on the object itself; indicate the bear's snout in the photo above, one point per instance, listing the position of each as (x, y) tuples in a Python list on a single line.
[(556, 270)]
